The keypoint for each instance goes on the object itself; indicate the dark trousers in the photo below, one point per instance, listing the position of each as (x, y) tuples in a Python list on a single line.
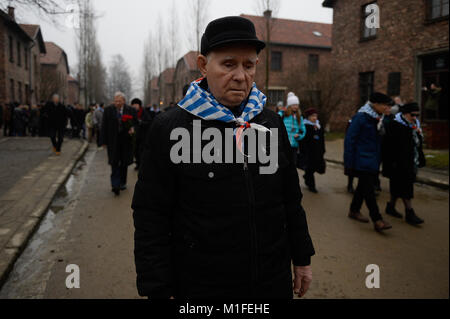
[(366, 192), (309, 178), (57, 137), (119, 174)]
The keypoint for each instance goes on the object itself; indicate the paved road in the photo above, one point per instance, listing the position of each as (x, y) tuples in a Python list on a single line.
[(87, 226), (18, 156)]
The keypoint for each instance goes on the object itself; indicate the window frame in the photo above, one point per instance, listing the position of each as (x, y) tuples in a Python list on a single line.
[(367, 82), (11, 49), (317, 61), (428, 12), (19, 53), (272, 54), (270, 95), (362, 37)]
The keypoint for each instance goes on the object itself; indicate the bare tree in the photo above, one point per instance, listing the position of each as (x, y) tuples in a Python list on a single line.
[(119, 78), (262, 6), (50, 10), (322, 89), (92, 73), (269, 9), (52, 81), (149, 67), (198, 13), (173, 34)]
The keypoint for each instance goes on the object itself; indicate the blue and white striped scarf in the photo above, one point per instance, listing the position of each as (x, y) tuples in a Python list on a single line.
[(203, 104), (367, 108)]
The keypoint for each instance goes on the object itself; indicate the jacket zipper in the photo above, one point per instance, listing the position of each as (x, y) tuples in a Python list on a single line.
[(253, 237)]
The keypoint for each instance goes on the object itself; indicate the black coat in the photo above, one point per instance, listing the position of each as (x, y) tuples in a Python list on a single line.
[(312, 150), (117, 139), (55, 115), (398, 152), (216, 230)]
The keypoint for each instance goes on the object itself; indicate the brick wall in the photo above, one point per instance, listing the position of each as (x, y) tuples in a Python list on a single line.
[(294, 60), (403, 35)]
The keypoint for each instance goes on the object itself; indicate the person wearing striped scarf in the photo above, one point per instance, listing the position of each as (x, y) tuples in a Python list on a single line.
[(220, 230)]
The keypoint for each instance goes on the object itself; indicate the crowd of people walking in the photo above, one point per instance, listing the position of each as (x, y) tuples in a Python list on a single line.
[(384, 137)]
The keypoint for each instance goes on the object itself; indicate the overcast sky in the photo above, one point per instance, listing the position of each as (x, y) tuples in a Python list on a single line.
[(124, 25)]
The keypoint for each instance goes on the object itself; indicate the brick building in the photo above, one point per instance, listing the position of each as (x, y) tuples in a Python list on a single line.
[(166, 87), (15, 48), (73, 91), (154, 91), (54, 72), (294, 47), (407, 53), (38, 48), (186, 71)]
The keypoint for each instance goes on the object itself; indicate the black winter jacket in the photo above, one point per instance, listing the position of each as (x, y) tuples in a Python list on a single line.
[(56, 115), (312, 150), (398, 152), (216, 230), (117, 140)]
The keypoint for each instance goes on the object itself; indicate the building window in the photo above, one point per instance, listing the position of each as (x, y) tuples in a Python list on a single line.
[(25, 54), (19, 54), (366, 33), (437, 9), (365, 86), (12, 92), (27, 94), (11, 49), (276, 61), (36, 70), (394, 84), (275, 96), (19, 92), (313, 63)]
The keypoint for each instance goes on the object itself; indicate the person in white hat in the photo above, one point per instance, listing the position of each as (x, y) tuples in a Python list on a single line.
[(294, 123)]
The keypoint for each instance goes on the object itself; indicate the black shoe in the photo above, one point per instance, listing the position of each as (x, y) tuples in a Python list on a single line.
[(391, 211), (116, 191), (412, 218), (123, 187)]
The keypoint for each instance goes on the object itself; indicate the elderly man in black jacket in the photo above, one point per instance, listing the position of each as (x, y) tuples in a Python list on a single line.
[(213, 229), (118, 127)]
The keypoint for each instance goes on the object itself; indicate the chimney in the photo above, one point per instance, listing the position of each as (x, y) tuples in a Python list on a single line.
[(11, 13), (268, 14)]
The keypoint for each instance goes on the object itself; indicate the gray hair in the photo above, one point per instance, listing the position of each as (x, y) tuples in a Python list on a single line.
[(119, 94)]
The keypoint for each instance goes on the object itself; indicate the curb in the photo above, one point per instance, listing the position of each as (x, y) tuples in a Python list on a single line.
[(419, 180), (18, 242)]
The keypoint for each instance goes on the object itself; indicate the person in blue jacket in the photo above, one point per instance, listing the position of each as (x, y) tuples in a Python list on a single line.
[(362, 157), (293, 121)]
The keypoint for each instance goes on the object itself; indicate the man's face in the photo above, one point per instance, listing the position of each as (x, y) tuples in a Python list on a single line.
[(55, 99), (136, 106), (230, 72), (381, 108), (119, 101), (411, 117)]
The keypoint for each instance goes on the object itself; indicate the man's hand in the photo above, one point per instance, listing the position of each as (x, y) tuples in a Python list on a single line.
[(302, 279), (131, 131)]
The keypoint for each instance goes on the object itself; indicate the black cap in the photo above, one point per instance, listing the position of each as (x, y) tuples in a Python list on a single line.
[(230, 30), (380, 98), (409, 108), (136, 101)]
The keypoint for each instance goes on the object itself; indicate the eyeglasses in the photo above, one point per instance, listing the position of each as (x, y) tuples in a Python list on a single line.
[(415, 114)]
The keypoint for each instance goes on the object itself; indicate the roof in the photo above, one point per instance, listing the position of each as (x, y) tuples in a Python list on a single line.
[(328, 3), (190, 59), (34, 32), (13, 25), (294, 32), (167, 75), (54, 55), (71, 79)]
